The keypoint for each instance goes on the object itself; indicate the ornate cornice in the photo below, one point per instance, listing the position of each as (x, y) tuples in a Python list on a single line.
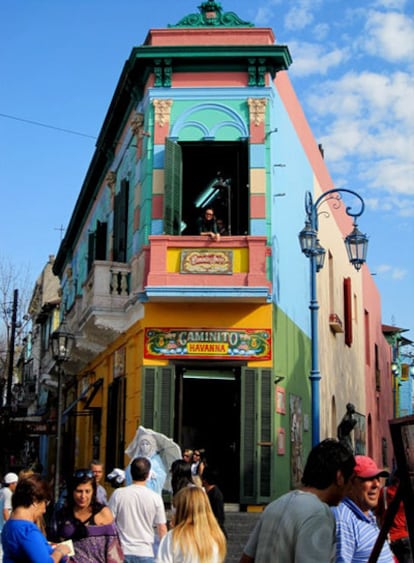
[(211, 15)]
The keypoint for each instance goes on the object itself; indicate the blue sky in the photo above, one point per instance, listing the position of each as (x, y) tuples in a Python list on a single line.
[(352, 71)]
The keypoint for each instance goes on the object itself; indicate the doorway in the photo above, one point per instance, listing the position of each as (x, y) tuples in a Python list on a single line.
[(209, 419)]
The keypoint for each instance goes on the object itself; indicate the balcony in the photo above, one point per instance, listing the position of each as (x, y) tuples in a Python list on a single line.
[(99, 314), (169, 269), (189, 268), (335, 323)]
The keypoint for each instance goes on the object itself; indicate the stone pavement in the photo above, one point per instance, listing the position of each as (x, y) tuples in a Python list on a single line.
[(238, 526)]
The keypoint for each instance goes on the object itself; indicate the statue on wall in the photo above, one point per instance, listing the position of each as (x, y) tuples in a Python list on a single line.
[(346, 426)]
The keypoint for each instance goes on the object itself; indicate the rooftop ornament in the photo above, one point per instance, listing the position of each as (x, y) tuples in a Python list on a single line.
[(211, 15)]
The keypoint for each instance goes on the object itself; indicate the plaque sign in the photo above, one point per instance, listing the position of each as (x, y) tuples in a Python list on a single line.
[(206, 261), (214, 343)]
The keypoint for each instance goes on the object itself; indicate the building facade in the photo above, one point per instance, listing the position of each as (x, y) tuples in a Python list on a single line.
[(208, 342)]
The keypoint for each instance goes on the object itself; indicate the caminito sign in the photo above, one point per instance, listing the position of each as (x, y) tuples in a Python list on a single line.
[(239, 344)]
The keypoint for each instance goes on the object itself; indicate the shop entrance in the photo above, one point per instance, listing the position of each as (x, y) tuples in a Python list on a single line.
[(209, 418)]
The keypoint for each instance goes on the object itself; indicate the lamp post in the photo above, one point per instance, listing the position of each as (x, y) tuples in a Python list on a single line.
[(356, 245), (61, 342), (395, 369)]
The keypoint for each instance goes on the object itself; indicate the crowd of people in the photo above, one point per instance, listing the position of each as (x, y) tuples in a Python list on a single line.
[(334, 517), (85, 526)]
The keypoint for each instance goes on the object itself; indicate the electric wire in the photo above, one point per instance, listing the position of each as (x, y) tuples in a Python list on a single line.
[(39, 124)]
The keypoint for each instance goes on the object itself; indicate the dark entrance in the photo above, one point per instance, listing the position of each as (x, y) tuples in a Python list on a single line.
[(209, 407)]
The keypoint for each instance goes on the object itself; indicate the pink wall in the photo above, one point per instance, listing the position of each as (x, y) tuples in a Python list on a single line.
[(378, 403), (216, 36)]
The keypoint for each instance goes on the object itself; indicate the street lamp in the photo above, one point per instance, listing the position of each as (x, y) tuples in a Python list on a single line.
[(395, 370), (61, 342), (356, 245)]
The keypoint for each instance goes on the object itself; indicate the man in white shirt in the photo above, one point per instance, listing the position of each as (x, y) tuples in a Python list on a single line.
[(138, 510), (10, 482)]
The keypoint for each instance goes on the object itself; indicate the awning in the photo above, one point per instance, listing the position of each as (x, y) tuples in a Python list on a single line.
[(92, 389)]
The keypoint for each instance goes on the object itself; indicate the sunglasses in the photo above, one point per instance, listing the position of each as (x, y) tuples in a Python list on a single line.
[(83, 474)]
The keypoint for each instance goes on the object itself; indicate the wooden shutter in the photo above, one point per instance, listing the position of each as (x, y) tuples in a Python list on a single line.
[(173, 188), (256, 436), (348, 311), (158, 399)]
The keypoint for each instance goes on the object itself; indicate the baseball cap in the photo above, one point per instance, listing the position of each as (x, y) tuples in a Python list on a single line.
[(117, 475), (10, 478), (366, 468)]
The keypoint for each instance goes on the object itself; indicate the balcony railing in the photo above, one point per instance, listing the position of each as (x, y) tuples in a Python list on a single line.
[(196, 268), (107, 286)]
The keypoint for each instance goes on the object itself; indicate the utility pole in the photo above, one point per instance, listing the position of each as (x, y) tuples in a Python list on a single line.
[(11, 348)]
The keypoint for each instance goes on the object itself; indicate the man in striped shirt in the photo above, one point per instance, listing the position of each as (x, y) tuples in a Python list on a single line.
[(356, 526)]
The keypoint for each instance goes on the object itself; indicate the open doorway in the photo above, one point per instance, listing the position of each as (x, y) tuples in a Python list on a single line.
[(209, 419)]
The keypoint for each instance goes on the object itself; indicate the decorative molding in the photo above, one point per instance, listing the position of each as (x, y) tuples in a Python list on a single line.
[(137, 123), (211, 16), (257, 107), (111, 181), (162, 111), (257, 69)]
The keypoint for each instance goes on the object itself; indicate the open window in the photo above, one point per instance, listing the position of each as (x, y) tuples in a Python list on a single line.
[(208, 173), (120, 232), (97, 243)]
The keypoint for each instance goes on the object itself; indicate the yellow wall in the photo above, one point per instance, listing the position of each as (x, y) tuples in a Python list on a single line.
[(167, 315)]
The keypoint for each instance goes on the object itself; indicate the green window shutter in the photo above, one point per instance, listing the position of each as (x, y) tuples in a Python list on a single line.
[(158, 399), (256, 436), (265, 433), (166, 395), (248, 436), (148, 397), (173, 188)]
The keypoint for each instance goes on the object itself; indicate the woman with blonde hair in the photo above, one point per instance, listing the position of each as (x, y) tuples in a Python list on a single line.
[(196, 536)]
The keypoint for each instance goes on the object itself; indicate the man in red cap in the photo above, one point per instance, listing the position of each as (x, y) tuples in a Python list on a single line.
[(356, 525)]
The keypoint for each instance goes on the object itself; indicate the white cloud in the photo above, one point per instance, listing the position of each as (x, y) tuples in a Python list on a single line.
[(391, 4), (383, 269), (398, 274), (320, 31), (311, 58), (392, 272), (266, 16), (389, 35), (298, 17), (367, 120)]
